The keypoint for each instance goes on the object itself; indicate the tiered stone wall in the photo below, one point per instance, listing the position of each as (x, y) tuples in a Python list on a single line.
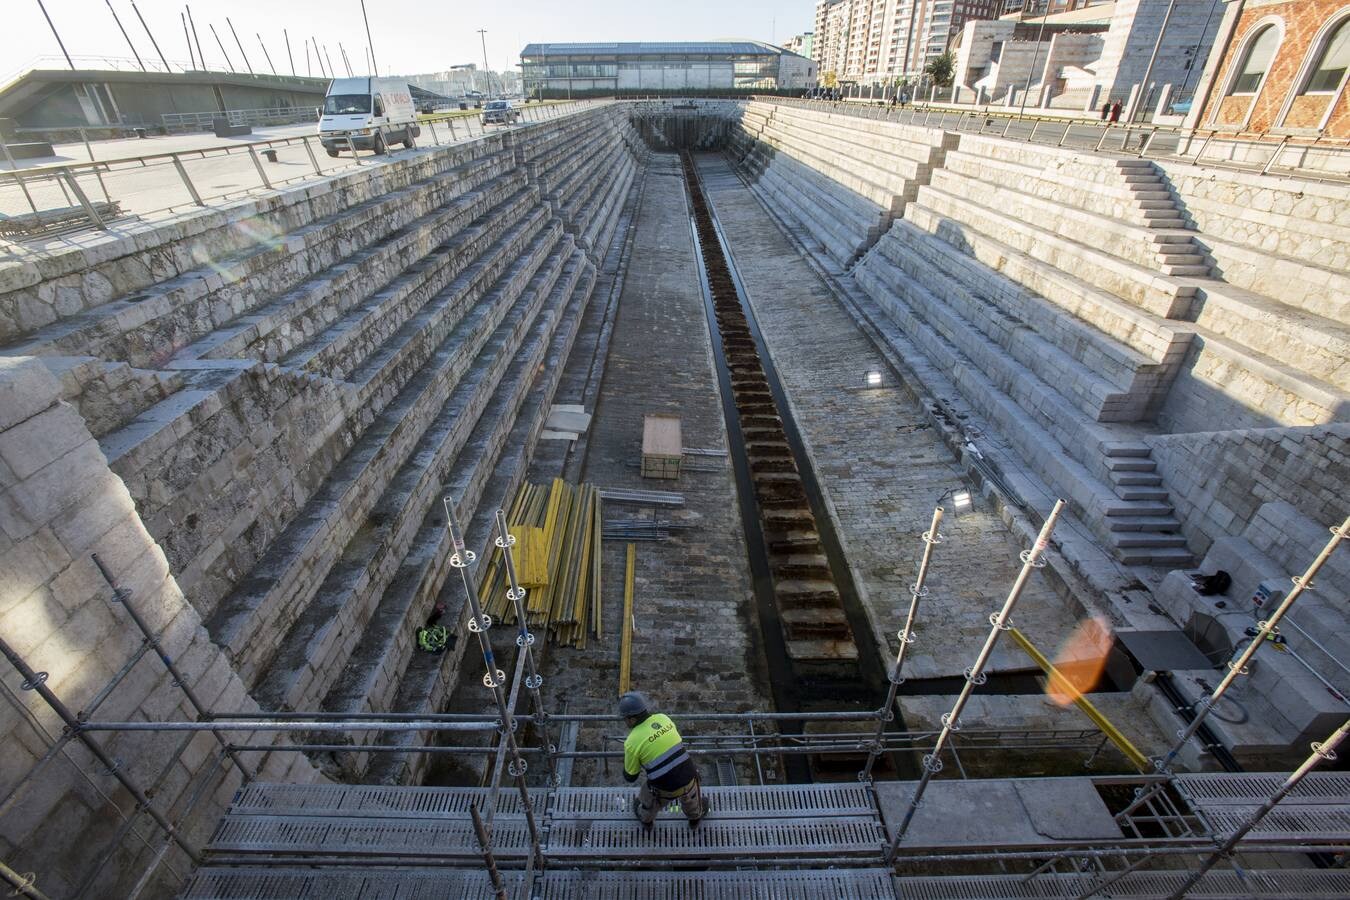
[(266, 403), (59, 504)]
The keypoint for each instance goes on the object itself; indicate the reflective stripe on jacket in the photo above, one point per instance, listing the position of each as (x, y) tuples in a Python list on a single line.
[(654, 746)]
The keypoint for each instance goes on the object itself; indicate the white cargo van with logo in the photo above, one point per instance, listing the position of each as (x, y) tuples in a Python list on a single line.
[(371, 113)]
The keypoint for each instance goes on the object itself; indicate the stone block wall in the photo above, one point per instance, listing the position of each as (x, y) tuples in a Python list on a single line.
[(59, 504), (1219, 479)]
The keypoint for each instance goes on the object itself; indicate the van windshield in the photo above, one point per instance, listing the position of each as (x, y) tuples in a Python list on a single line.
[(346, 104)]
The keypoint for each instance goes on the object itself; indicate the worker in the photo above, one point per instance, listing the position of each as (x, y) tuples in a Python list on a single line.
[(654, 746), (433, 637)]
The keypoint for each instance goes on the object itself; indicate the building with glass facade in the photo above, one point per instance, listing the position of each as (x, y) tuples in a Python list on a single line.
[(581, 69)]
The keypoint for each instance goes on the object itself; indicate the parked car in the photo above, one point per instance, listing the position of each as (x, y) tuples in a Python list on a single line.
[(500, 112)]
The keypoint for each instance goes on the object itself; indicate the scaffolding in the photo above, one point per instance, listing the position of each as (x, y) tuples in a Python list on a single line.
[(1170, 817)]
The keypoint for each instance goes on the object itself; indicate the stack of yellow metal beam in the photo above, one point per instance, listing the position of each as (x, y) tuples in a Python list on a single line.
[(557, 554)]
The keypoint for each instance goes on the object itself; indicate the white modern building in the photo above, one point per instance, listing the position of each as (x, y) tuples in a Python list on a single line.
[(600, 68)]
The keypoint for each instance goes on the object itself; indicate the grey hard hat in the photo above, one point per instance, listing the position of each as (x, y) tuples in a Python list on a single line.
[(634, 703)]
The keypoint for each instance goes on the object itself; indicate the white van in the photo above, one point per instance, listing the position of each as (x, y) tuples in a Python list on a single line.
[(371, 113)]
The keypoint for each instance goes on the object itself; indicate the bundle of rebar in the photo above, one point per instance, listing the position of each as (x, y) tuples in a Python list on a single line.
[(558, 534)]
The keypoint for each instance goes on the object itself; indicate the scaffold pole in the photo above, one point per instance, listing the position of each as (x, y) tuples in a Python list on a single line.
[(494, 679), (931, 538), (1322, 751), (525, 641), (932, 762)]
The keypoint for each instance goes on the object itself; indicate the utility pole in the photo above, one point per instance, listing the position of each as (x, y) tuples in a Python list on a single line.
[(332, 72), (188, 38), (487, 70), (342, 51), (373, 65), (126, 36), (247, 65), (1035, 54), (266, 55), (193, 25), (59, 42), (287, 37), (1141, 99), (154, 43), (221, 45)]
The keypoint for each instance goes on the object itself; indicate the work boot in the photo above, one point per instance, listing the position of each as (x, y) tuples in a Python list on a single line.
[(637, 814), (694, 823)]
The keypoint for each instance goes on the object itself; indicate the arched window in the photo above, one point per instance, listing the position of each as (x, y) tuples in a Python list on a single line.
[(1326, 75), (1260, 53)]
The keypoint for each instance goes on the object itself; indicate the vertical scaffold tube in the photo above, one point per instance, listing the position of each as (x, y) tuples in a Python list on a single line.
[(932, 763), (525, 641), (1324, 751), (489, 860), (494, 679), (931, 538)]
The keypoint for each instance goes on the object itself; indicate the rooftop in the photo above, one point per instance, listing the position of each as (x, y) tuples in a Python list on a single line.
[(646, 48)]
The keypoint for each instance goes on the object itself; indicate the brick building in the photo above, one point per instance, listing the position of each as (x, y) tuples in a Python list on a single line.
[(1279, 65)]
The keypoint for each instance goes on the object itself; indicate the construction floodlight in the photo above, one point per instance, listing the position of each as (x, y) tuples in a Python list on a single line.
[(873, 378), (961, 501)]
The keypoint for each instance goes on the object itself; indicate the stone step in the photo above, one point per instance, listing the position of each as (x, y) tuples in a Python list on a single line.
[(1145, 331), (271, 331), (1152, 203), (1133, 479), (207, 297), (1180, 259), (422, 686), (1047, 456), (1161, 557), (1143, 523), (380, 654), (1131, 492), (1198, 270), (1136, 539), (1142, 287), (285, 577), (344, 344), (317, 645), (1025, 354), (1138, 509), (1126, 449), (1130, 465)]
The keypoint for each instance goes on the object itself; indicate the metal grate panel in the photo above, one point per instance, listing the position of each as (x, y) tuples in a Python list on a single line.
[(806, 884), (793, 801), (363, 836), (673, 838), (1320, 823), (1294, 884), (341, 884), (1255, 788), (390, 802)]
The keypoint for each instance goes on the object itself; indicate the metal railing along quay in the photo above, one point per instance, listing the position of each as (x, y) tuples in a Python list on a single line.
[(74, 196), (1315, 157)]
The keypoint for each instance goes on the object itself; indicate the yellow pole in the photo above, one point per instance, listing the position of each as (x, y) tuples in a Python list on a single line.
[(1058, 682), (626, 650)]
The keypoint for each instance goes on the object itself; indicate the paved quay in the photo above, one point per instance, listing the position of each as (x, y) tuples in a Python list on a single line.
[(880, 465)]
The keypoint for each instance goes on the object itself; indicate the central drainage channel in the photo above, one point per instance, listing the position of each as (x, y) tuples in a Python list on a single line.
[(816, 637)]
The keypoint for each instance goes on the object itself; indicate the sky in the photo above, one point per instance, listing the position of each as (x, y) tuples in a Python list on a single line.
[(410, 36)]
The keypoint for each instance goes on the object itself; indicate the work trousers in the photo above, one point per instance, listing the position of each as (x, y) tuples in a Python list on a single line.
[(650, 800)]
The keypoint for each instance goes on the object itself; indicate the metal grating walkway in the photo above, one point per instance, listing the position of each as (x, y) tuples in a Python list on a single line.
[(1316, 811), (292, 822), (791, 884), (341, 884), (1292, 884)]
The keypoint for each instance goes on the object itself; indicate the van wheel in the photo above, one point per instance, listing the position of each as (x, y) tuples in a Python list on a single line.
[(332, 151), (409, 142), (379, 145)]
